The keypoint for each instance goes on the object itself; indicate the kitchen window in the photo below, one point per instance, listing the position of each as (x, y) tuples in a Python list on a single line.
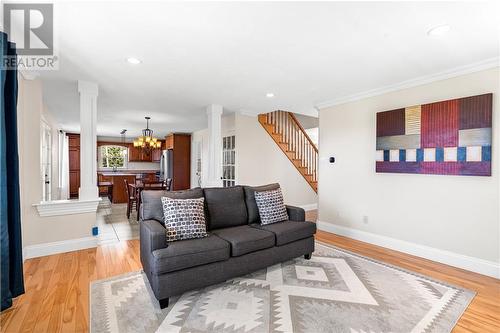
[(113, 157)]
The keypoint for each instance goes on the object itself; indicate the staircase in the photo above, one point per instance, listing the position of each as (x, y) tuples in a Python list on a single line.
[(293, 140)]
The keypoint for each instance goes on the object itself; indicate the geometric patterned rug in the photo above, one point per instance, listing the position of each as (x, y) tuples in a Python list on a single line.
[(335, 291)]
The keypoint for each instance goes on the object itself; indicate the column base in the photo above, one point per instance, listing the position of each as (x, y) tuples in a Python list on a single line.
[(88, 193)]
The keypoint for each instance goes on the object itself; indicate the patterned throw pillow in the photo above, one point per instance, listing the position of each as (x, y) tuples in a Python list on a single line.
[(184, 218), (271, 206)]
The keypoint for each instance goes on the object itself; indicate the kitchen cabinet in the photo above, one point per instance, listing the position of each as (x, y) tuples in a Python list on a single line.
[(169, 141), (74, 164), (118, 177), (156, 155), (137, 154), (180, 144)]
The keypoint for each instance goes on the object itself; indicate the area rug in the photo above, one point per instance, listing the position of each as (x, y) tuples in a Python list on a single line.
[(335, 291)]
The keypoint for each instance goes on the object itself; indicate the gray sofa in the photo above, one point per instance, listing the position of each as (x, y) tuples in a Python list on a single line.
[(237, 243)]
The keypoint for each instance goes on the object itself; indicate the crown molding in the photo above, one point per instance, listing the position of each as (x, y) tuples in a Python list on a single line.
[(247, 113), (457, 71)]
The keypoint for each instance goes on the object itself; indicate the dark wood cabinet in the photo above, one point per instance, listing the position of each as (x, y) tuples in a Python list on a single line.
[(136, 154), (74, 164), (119, 190), (180, 144), (146, 155), (156, 155), (169, 141)]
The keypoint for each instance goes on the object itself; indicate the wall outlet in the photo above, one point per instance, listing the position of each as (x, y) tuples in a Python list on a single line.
[(365, 219)]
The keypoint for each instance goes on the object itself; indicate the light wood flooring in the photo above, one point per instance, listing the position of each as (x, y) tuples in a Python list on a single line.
[(57, 286)]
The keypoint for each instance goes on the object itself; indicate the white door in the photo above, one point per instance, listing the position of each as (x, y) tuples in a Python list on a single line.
[(197, 147), (46, 161), (228, 161)]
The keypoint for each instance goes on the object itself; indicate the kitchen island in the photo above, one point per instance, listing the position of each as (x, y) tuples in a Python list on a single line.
[(117, 178)]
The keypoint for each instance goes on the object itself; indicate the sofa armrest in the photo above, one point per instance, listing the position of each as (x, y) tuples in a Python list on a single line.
[(296, 213), (153, 236)]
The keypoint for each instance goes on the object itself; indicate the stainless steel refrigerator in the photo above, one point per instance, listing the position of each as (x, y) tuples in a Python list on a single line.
[(166, 164)]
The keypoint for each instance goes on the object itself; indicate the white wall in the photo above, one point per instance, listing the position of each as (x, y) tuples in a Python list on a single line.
[(260, 161), (459, 214), (35, 229)]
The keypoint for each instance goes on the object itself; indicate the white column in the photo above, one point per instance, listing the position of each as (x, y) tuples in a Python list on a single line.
[(88, 140), (214, 113)]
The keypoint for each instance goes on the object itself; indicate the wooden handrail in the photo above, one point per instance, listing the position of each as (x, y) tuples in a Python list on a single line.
[(303, 130)]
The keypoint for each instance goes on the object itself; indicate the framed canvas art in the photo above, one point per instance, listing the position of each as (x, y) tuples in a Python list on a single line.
[(446, 138)]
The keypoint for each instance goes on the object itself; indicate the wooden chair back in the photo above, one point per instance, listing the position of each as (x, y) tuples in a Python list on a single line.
[(168, 184), (126, 188), (153, 184)]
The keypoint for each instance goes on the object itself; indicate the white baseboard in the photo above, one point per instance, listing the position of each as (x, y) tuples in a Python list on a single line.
[(46, 249), (309, 207), (473, 264)]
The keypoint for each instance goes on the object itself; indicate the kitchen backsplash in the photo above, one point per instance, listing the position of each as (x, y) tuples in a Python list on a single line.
[(143, 165)]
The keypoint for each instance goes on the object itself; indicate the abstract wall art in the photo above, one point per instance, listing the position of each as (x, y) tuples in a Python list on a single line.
[(445, 138)]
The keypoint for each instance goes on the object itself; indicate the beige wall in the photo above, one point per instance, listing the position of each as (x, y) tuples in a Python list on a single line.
[(35, 229), (260, 161), (455, 213)]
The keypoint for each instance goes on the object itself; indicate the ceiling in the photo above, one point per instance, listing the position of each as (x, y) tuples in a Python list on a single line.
[(233, 53)]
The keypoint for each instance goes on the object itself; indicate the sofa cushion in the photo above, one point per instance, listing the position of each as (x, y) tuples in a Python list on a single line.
[(189, 253), (184, 218), (151, 206), (288, 231), (271, 206), (245, 239), (226, 207), (253, 211)]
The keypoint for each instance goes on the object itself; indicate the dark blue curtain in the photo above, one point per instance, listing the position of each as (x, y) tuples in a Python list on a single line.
[(12, 284)]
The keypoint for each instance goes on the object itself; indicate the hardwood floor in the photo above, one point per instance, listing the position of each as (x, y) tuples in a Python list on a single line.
[(482, 315), (57, 287)]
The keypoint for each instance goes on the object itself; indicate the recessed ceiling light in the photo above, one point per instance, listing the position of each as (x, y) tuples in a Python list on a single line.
[(269, 95), (439, 30), (133, 61)]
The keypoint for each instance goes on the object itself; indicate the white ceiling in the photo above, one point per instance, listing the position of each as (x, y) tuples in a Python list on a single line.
[(233, 53)]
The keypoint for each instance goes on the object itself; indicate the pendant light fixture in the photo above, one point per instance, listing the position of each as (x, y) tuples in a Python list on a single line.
[(147, 140)]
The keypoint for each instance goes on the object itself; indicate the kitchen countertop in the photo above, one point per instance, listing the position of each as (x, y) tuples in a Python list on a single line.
[(125, 172)]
